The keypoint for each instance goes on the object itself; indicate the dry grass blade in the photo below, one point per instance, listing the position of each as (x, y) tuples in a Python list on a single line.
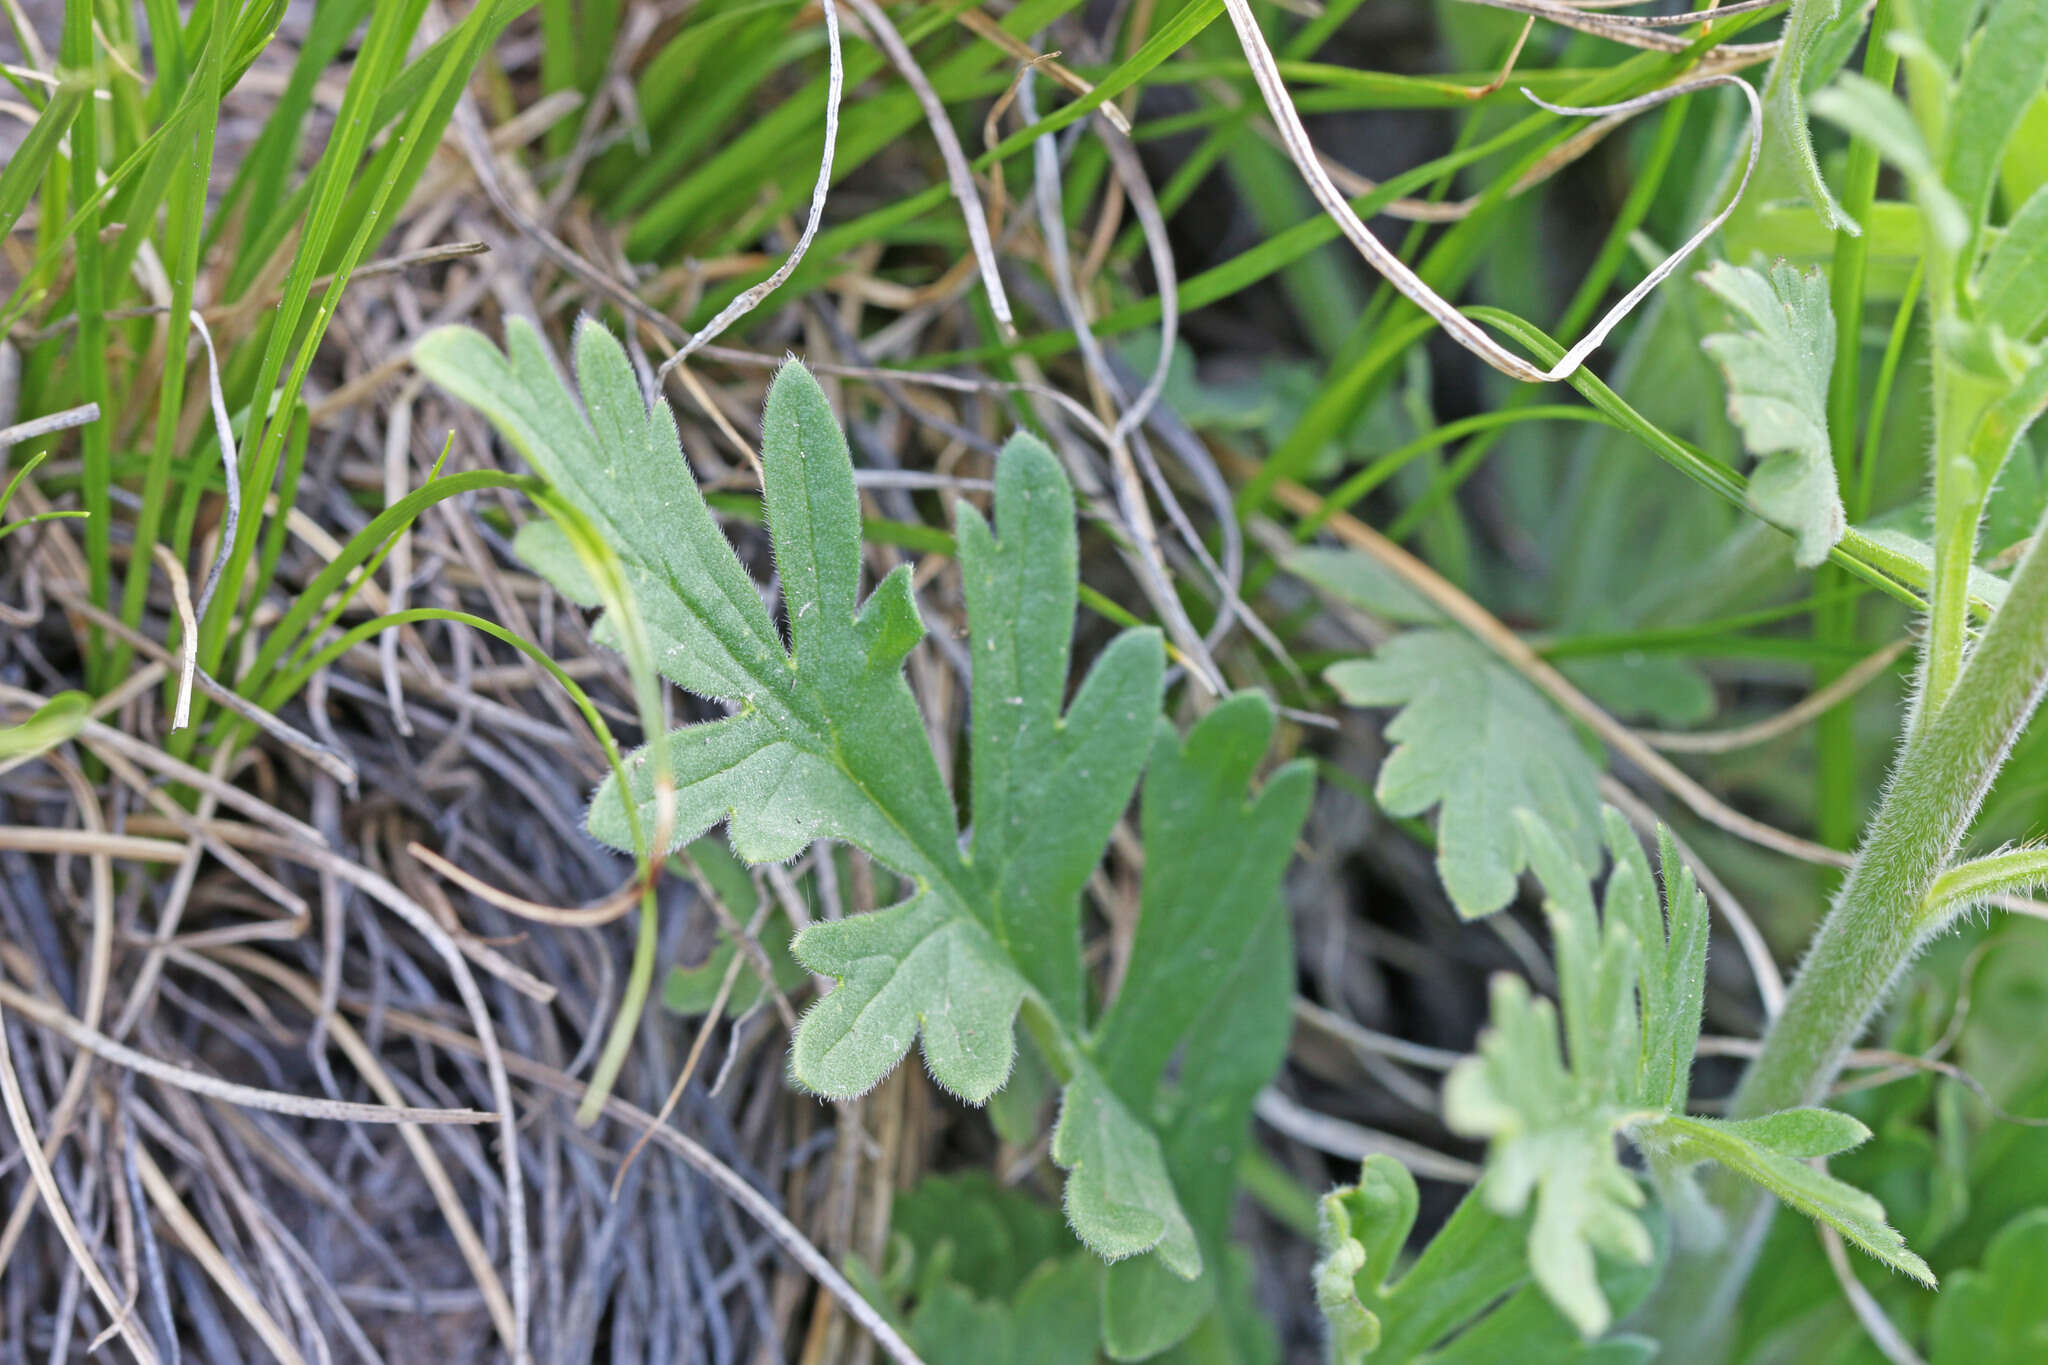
[(959, 176), (1810, 707), (224, 436), (45, 1179), (606, 911), (188, 638), (757, 1205)]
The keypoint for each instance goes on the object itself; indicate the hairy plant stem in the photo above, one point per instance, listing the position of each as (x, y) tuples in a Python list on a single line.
[(1879, 920), (1881, 917)]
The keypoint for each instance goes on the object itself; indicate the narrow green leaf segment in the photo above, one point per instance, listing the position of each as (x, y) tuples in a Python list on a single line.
[(825, 741)]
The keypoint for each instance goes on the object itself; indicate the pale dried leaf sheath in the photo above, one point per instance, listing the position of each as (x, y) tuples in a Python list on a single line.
[(1397, 272)]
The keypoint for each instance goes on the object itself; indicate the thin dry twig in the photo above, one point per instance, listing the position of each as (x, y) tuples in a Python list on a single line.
[(1810, 707), (213, 1087), (31, 1148), (959, 176)]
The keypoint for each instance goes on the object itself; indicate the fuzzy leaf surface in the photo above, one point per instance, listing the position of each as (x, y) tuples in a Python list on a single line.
[(1547, 1143), (1777, 370), (826, 742), (1810, 27), (1477, 741), (1770, 1152)]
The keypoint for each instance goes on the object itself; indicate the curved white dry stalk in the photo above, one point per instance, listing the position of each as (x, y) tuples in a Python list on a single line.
[(1147, 557), (43, 426), (959, 176), (223, 431), (188, 628), (1397, 272), (747, 301)]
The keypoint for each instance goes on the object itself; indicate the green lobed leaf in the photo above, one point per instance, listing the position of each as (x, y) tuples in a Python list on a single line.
[(1212, 872), (1991, 1314), (1360, 1230), (1228, 1056), (1777, 370), (1631, 976), (1119, 1197), (1477, 741), (826, 742)]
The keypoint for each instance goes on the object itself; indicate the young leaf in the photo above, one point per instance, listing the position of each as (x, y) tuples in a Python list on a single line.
[(1466, 1299), (1546, 1141), (1777, 373), (1771, 1152), (1630, 981), (827, 742), (1476, 740), (1360, 1229)]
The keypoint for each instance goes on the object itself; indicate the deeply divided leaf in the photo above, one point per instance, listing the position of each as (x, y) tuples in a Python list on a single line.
[(825, 741), (1477, 742)]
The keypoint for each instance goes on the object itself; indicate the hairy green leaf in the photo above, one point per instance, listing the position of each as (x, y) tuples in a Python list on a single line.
[(1550, 1089), (1812, 26), (1771, 1152), (825, 742), (1546, 1142), (1777, 371), (1476, 740), (1466, 1299)]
